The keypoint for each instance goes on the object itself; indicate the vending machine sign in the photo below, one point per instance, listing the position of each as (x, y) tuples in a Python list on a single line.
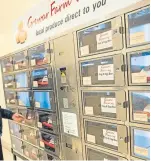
[(139, 27), (38, 55), (24, 99), (20, 61), (140, 68), (141, 106), (21, 80), (141, 143)]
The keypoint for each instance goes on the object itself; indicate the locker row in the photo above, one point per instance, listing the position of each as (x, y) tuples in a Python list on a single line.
[(35, 56), (111, 104), (35, 153), (44, 121), (108, 36), (45, 140), (107, 135), (43, 100), (39, 78), (104, 71)]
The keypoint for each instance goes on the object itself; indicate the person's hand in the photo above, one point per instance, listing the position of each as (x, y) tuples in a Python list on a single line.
[(18, 117)]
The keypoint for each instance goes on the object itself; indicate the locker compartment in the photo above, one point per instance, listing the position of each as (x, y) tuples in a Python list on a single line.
[(44, 100), (47, 121), (140, 106), (140, 143), (110, 104), (9, 81), (30, 116), (103, 71), (29, 135), (7, 65), (45, 156), (49, 142), (101, 155), (24, 99), (38, 55), (15, 129), (10, 97), (22, 80), (101, 37), (42, 78), (20, 61), (30, 151), (16, 144), (107, 135), (139, 68), (138, 23)]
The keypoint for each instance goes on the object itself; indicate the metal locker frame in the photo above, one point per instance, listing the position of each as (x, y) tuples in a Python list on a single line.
[(115, 29), (122, 138), (49, 76), (129, 67), (142, 90), (46, 50), (26, 59), (121, 106), (132, 140), (118, 70), (28, 79), (127, 31)]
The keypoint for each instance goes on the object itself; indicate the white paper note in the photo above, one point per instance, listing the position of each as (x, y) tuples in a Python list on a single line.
[(70, 123), (35, 84), (16, 66), (108, 105), (84, 50), (137, 38), (104, 40), (42, 144), (106, 72), (110, 137), (39, 124), (140, 117), (141, 151), (87, 81), (33, 62), (89, 110), (37, 104), (65, 103), (91, 138)]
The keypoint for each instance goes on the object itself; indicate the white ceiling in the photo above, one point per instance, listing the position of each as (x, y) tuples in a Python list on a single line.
[(10, 10)]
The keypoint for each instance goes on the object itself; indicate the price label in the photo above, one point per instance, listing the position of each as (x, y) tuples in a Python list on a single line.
[(39, 124), (89, 110), (35, 84), (110, 137), (4, 69), (141, 151), (137, 38), (140, 117), (106, 72), (18, 85), (65, 103), (87, 81), (37, 104), (139, 77), (104, 40), (84, 50), (42, 144), (108, 105), (25, 137), (33, 62), (91, 138), (16, 66)]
